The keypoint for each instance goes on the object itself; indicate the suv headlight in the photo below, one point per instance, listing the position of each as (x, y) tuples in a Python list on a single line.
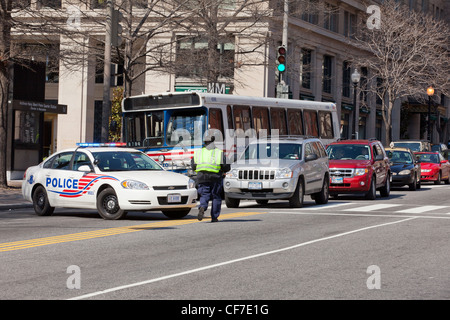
[(361, 172), (191, 184), (404, 172), (133, 184), (283, 173), (233, 174)]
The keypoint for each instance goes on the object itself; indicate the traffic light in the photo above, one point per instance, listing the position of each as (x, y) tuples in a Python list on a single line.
[(281, 58), (116, 28)]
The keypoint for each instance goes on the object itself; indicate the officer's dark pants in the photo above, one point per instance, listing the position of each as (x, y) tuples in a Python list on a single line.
[(211, 191)]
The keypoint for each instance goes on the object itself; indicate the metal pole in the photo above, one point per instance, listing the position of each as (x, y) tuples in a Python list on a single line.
[(429, 119), (106, 109), (355, 120), (284, 39)]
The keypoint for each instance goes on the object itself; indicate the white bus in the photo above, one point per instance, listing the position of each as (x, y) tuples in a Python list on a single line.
[(169, 126)]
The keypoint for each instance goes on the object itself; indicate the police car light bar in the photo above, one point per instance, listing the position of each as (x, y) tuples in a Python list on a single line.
[(101, 144)]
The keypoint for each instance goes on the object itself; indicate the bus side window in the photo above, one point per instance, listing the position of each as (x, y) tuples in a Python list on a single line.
[(311, 128), (230, 118), (295, 123), (261, 120), (242, 117), (215, 119), (278, 120), (326, 127)]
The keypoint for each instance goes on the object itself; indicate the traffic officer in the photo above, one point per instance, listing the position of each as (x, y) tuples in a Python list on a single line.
[(210, 164)]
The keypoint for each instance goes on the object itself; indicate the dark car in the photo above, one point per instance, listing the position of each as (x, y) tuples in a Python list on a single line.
[(405, 168)]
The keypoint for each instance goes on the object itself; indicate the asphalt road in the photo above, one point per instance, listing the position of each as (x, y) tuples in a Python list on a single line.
[(351, 248)]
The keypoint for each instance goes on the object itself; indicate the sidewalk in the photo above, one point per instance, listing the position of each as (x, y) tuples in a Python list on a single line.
[(11, 198)]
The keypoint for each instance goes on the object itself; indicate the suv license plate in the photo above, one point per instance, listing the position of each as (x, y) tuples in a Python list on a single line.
[(173, 198), (255, 185), (337, 180)]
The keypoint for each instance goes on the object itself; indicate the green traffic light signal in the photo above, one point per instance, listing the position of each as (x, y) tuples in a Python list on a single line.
[(281, 58), (281, 67)]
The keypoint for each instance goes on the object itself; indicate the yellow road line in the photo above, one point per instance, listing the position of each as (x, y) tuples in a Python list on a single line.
[(24, 244)]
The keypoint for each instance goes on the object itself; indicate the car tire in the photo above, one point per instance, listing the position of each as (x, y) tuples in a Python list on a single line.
[(386, 189), (176, 213), (438, 181), (322, 196), (372, 193), (231, 202), (108, 205), (41, 204), (413, 185), (296, 201)]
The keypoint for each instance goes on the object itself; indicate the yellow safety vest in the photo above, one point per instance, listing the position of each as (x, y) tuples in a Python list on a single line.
[(208, 160)]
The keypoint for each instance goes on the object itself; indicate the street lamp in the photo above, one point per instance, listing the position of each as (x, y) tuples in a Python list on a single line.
[(430, 92), (356, 76)]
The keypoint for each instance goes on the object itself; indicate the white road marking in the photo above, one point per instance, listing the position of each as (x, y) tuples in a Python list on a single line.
[(422, 209), (136, 284), (373, 207)]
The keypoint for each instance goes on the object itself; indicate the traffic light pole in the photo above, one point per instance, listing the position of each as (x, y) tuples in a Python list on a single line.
[(106, 108), (283, 86)]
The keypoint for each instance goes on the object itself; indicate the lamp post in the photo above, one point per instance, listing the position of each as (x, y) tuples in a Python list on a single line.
[(430, 92), (356, 76)]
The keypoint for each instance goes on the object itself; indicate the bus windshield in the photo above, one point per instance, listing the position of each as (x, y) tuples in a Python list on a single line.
[(186, 127)]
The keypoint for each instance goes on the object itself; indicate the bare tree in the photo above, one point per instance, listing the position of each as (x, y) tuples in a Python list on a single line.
[(406, 52)]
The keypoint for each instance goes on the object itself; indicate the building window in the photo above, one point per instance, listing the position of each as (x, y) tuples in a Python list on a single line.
[(346, 76), (311, 11), (331, 17), (98, 4), (55, 4), (193, 52), (327, 73), (306, 66), (349, 25)]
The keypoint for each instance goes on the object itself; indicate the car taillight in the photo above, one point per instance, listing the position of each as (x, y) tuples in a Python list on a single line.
[(25, 175)]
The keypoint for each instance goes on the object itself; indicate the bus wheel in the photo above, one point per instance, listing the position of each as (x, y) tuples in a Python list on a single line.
[(108, 205), (176, 213)]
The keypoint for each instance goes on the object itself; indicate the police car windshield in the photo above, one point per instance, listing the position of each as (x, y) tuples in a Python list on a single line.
[(124, 161)]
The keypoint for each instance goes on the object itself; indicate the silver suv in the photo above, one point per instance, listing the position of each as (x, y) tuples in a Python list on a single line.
[(282, 168)]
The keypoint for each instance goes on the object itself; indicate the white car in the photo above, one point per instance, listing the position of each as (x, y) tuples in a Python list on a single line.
[(111, 180)]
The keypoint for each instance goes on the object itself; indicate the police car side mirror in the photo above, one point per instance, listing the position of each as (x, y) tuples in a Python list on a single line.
[(84, 168)]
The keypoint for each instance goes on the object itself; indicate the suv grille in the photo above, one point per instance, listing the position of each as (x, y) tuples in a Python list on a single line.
[(338, 172), (256, 174)]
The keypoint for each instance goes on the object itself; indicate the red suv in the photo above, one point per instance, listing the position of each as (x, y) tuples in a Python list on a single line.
[(359, 166)]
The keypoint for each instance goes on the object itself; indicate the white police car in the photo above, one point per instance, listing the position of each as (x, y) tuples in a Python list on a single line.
[(110, 179)]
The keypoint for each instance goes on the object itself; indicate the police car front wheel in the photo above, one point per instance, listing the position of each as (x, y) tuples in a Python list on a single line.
[(40, 202), (108, 205)]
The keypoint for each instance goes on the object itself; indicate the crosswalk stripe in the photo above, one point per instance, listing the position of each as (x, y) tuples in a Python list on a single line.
[(373, 207), (422, 209)]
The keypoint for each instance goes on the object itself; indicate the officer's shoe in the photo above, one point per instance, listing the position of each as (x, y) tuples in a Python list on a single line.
[(214, 220), (201, 213)]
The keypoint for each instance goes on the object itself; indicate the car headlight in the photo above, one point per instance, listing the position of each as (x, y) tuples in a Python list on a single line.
[(233, 174), (283, 173), (361, 172), (404, 172), (191, 184), (135, 185)]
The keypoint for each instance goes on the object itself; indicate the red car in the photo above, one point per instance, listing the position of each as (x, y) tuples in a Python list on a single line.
[(434, 167), (359, 166)]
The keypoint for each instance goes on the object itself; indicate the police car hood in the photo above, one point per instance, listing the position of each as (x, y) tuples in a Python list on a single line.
[(152, 178)]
